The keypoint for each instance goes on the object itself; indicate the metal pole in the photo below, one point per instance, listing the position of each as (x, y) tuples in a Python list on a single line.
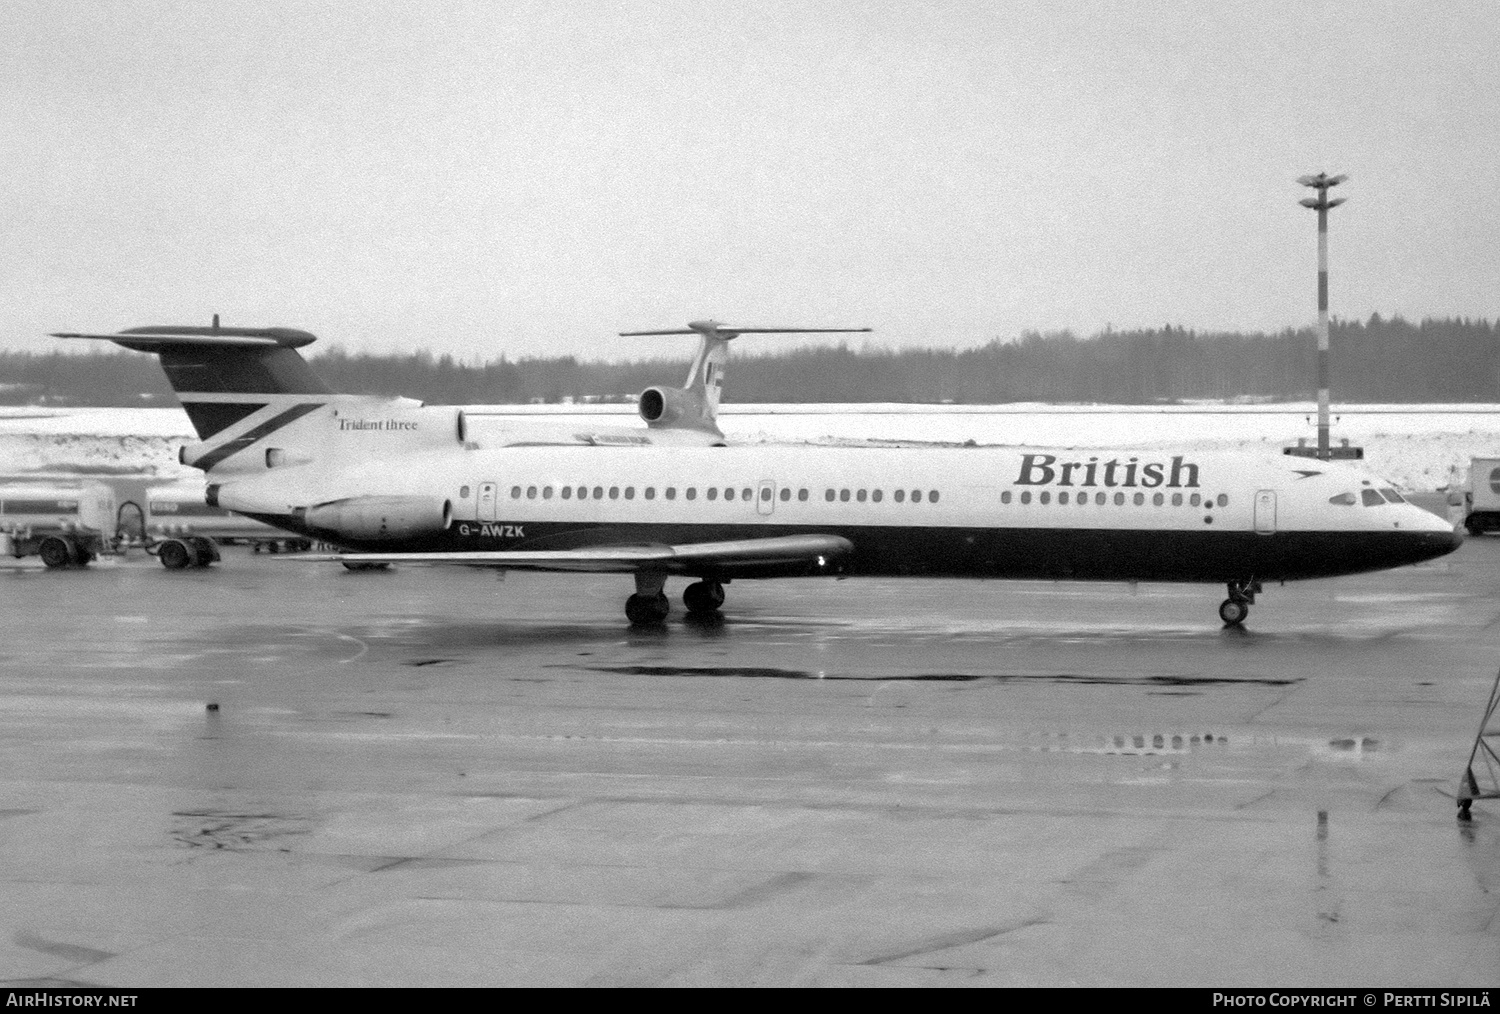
[(1322, 328), (1322, 204)]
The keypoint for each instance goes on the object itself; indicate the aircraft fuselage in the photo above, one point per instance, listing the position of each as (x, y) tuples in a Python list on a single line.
[(1142, 515)]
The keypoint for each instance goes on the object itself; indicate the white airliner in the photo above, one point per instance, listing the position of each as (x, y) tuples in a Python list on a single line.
[(393, 481)]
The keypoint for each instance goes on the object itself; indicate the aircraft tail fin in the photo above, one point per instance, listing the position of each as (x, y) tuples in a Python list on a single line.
[(695, 405), (224, 374)]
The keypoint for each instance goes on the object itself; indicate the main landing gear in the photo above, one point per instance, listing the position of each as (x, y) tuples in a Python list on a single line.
[(1236, 607), (649, 605)]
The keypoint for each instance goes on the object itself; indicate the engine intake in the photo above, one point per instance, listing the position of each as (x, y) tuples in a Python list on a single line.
[(672, 406), (381, 517)]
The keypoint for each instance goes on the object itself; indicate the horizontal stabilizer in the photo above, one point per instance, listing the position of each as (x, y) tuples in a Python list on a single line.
[(152, 339), (713, 329)]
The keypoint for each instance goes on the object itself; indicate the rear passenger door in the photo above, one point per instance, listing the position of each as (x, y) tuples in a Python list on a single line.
[(765, 498), (486, 501)]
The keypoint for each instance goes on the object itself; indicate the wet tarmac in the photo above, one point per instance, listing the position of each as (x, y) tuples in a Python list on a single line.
[(277, 773)]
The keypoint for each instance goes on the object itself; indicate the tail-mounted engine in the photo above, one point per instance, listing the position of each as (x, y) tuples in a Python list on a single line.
[(675, 408), (380, 517)]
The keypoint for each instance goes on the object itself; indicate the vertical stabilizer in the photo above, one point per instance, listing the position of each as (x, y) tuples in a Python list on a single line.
[(222, 375), (695, 406)]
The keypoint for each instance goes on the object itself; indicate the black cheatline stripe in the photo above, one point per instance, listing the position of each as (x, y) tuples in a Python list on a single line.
[(244, 440)]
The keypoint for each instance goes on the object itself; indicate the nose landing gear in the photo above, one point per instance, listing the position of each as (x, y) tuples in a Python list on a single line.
[(1236, 608)]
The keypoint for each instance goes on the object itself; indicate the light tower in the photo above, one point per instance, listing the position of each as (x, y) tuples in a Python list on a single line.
[(1321, 183)]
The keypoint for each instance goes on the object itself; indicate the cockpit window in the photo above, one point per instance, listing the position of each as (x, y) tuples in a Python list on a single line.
[(1343, 499), (1370, 498), (1391, 496)]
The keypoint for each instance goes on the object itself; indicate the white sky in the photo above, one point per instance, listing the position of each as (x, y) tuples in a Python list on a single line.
[(530, 178)]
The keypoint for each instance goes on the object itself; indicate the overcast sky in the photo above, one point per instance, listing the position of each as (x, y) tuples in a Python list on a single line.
[(530, 178)]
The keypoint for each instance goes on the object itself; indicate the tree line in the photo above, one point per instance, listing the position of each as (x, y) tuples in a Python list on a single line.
[(1377, 360)]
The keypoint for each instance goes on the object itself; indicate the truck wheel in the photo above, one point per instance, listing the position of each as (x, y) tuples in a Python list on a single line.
[(175, 555), (204, 551), (56, 552)]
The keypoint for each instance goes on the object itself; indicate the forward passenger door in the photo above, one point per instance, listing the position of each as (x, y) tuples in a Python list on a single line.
[(1265, 512)]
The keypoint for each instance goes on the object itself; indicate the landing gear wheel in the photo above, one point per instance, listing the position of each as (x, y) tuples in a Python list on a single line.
[(1233, 612), (1473, 529), (703, 596), (647, 610), (175, 554), (56, 552)]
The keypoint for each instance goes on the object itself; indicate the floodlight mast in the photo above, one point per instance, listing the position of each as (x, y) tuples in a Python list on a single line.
[(1322, 204)]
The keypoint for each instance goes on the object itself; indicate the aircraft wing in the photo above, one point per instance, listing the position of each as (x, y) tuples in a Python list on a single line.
[(735, 555)]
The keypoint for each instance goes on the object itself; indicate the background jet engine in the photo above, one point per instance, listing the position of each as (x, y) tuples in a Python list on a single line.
[(381, 517), (674, 406)]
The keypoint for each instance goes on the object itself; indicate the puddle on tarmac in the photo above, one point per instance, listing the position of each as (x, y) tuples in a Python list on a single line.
[(763, 672)]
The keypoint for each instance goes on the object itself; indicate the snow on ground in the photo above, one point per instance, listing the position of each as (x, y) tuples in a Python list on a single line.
[(1420, 447)]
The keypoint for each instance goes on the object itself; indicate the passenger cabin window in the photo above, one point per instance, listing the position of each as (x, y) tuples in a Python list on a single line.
[(1025, 496), (630, 492), (531, 492), (515, 492), (900, 495), (547, 493), (1223, 500), (614, 492), (1370, 498), (875, 495), (765, 493), (463, 492), (747, 494), (801, 494), (860, 496), (567, 492), (786, 494), (916, 496), (650, 492), (932, 497), (843, 496), (671, 492), (692, 492)]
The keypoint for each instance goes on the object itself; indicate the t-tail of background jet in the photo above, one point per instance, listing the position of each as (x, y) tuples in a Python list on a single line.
[(695, 405)]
